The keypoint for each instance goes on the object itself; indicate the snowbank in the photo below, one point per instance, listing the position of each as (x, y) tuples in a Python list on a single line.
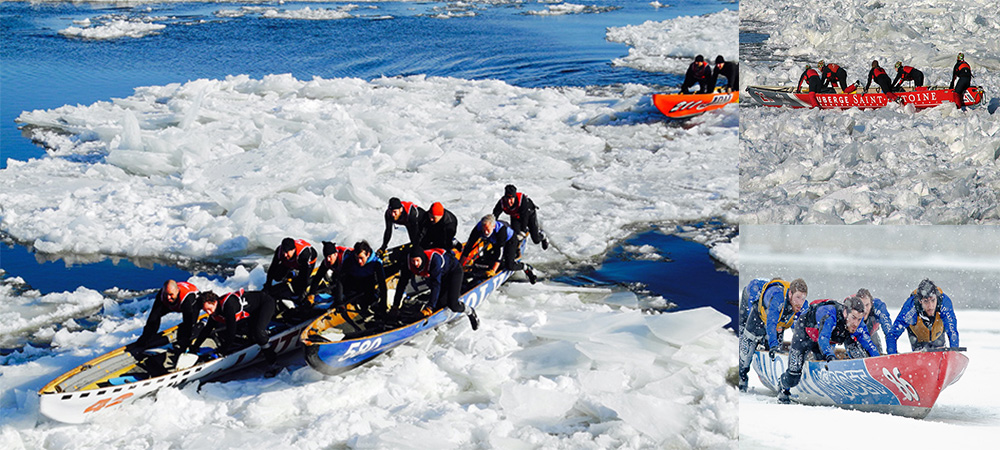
[(671, 45)]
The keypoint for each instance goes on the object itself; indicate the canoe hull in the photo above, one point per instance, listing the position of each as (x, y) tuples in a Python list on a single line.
[(906, 384), (919, 97), (680, 106)]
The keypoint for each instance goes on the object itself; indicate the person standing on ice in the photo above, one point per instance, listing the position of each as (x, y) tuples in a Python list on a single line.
[(523, 215), (175, 296), (927, 315), (443, 273), (503, 251), (407, 214), (833, 75), (963, 73), (767, 309), (698, 73), (438, 229), (728, 69), (291, 267), (907, 73), (812, 79), (826, 322), (881, 78), (251, 311)]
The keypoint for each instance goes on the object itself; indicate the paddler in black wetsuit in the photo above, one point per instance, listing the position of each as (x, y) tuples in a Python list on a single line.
[(906, 73), (881, 78), (251, 309), (294, 259), (811, 77), (728, 69), (963, 73), (698, 73), (175, 296), (833, 75), (438, 228), (523, 215), (363, 277)]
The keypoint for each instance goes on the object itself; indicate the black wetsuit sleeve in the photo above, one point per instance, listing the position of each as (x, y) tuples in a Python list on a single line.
[(413, 225), (380, 282), (189, 310), (205, 332), (871, 76), (498, 209), (272, 270), (404, 278), (387, 235), (301, 281), (152, 328), (229, 336), (801, 79), (450, 225), (899, 77)]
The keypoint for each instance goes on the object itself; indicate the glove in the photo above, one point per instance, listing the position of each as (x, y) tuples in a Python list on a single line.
[(770, 353), (491, 273), (381, 253), (830, 358)]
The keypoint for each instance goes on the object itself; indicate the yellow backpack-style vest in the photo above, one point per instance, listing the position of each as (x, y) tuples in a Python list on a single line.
[(783, 322)]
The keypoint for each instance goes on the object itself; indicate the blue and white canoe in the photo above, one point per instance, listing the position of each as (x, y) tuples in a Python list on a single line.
[(906, 384), (331, 349)]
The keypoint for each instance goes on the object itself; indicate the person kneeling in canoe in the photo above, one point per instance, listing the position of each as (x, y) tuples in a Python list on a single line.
[(438, 228), (826, 322), (767, 308), (833, 75), (293, 260), (443, 273), (251, 311), (927, 315), (906, 73), (175, 296), (881, 78), (728, 69), (812, 79), (504, 247), (362, 279), (698, 73), (876, 316)]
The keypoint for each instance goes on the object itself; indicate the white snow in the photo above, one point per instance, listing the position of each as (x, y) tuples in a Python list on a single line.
[(671, 45), (112, 28), (570, 8), (888, 166), (217, 168)]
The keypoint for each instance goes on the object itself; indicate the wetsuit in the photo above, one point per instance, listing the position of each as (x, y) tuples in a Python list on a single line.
[(812, 79), (523, 215), (411, 217), (963, 73), (731, 71), (325, 279), (907, 73), (925, 332), (833, 74), (697, 73), (299, 269), (440, 234), (767, 312), (442, 272), (816, 331), (251, 309), (881, 79), (367, 282), (504, 241), (186, 304)]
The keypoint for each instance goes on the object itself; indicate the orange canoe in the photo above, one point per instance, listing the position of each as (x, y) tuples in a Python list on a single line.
[(679, 106)]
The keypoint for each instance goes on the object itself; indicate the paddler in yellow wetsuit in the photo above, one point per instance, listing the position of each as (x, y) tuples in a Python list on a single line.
[(769, 307), (927, 316)]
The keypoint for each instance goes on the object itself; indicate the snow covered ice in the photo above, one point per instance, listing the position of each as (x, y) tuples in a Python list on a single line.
[(892, 165), (217, 170), (670, 46)]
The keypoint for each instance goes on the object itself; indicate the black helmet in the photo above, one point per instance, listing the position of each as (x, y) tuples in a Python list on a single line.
[(926, 289), (394, 203), (719, 59), (287, 244), (329, 248), (509, 190), (417, 252), (699, 58)]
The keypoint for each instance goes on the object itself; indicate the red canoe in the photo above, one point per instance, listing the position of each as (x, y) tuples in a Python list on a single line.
[(680, 106), (921, 97)]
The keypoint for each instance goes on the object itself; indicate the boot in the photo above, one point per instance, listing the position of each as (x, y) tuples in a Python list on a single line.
[(783, 396), (269, 356), (743, 383), (531, 275), (473, 318)]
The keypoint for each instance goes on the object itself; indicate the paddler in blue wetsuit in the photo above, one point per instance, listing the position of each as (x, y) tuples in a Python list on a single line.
[(443, 274), (504, 247), (767, 308), (876, 316), (827, 322), (927, 315)]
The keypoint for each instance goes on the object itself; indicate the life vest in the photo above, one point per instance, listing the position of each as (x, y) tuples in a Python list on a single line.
[(240, 315), (407, 207), (300, 246), (183, 290), (839, 334), (878, 71), (833, 68), (907, 72), (426, 270), (787, 316), (925, 334), (809, 74), (831, 72), (962, 66), (513, 210)]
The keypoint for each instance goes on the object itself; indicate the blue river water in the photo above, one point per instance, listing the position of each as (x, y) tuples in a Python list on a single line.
[(41, 69)]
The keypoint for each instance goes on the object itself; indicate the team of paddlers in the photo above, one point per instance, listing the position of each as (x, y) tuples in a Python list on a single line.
[(356, 275), (768, 307)]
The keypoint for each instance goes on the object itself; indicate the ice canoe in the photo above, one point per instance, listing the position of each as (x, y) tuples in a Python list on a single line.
[(906, 384), (121, 376), (334, 345), (921, 97), (680, 106)]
